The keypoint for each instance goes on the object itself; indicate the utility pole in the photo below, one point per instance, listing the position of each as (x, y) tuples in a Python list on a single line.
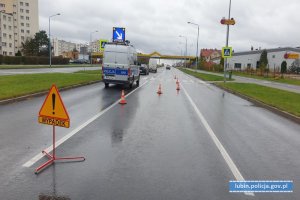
[(50, 48), (227, 41), (197, 60)]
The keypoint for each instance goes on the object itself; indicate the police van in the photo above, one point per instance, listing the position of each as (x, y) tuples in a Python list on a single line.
[(120, 65)]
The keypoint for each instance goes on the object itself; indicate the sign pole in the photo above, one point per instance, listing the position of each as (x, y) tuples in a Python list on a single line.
[(53, 112), (227, 41), (53, 152)]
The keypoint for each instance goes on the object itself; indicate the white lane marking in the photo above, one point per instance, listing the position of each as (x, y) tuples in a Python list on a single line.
[(76, 130), (235, 171)]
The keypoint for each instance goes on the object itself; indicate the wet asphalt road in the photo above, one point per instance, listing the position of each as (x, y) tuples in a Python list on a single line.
[(45, 70), (155, 147)]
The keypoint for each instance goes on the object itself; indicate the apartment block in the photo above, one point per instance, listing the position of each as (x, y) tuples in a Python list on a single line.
[(61, 47), (7, 44), (19, 22)]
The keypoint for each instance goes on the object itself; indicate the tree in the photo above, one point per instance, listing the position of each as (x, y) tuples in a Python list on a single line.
[(283, 68), (295, 67), (37, 46), (222, 61), (19, 53), (42, 41), (263, 61), (29, 47)]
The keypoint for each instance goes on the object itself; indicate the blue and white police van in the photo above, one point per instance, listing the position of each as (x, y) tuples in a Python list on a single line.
[(120, 65)]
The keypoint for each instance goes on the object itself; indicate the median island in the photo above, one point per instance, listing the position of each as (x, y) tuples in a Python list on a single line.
[(204, 76), (12, 86)]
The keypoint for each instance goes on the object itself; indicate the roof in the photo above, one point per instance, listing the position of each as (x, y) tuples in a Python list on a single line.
[(268, 50), (208, 52)]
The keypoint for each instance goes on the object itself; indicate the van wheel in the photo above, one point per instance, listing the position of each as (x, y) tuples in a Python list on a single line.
[(106, 85), (138, 82), (130, 85)]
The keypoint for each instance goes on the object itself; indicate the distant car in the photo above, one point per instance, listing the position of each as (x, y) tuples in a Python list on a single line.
[(80, 61), (144, 69), (168, 67)]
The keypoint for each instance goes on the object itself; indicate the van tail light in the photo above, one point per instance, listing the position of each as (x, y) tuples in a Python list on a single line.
[(129, 72)]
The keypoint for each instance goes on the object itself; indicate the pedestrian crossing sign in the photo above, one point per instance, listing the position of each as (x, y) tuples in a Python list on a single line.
[(102, 44), (226, 52)]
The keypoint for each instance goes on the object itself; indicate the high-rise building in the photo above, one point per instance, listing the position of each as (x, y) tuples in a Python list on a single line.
[(60, 46), (19, 21)]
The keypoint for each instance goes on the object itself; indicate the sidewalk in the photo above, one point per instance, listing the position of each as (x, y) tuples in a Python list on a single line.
[(240, 79)]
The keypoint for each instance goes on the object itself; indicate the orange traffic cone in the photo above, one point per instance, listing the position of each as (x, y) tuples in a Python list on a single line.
[(178, 87), (159, 90), (123, 100)]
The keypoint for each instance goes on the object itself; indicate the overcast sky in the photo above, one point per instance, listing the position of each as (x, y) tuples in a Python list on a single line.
[(154, 25)]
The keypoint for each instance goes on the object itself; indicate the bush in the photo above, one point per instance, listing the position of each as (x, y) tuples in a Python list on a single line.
[(32, 60)]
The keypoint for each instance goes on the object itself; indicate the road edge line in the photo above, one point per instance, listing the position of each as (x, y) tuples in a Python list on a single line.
[(39, 156), (233, 168)]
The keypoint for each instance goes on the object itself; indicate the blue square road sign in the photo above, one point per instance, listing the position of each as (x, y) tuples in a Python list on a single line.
[(118, 34)]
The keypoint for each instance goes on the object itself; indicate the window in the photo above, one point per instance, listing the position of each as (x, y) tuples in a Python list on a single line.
[(22, 30), (10, 45), (27, 18), (4, 53), (22, 24), (10, 36), (21, 3), (10, 53), (4, 17), (27, 4), (22, 38), (28, 31), (4, 26), (9, 27), (4, 44), (9, 19), (27, 24), (22, 17), (27, 11), (2, 5), (4, 35), (237, 65), (21, 10)]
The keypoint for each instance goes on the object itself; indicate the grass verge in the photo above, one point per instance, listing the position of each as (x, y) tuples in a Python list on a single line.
[(98, 72), (203, 76), (279, 80), (44, 66), (18, 85), (281, 99)]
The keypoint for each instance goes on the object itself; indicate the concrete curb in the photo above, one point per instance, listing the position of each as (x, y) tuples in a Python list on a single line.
[(22, 98), (263, 105)]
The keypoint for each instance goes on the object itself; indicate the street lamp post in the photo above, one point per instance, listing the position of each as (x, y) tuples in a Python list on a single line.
[(197, 60), (91, 40), (227, 41), (185, 49), (50, 48)]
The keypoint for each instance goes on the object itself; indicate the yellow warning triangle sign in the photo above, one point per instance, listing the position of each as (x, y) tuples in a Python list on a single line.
[(53, 106)]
